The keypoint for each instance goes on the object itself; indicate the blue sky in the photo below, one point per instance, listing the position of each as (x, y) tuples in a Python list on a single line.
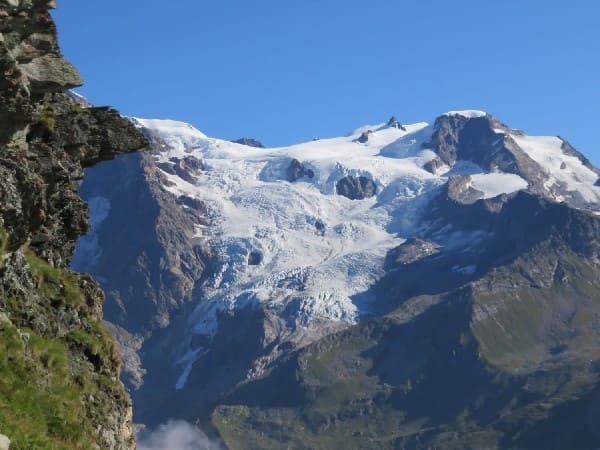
[(287, 71)]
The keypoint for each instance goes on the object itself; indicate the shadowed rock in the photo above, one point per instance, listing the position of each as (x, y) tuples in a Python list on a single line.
[(249, 142), (296, 170), (433, 165), (364, 137), (356, 188), (393, 123)]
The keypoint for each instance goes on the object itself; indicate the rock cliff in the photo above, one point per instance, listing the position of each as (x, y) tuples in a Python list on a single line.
[(59, 369)]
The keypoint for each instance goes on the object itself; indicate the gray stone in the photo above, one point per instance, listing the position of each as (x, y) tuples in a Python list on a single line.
[(356, 188), (433, 165), (249, 142), (4, 442), (461, 191), (364, 137), (296, 170), (393, 123), (50, 73)]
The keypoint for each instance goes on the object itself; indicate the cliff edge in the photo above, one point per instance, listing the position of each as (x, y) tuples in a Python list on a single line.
[(59, 369)]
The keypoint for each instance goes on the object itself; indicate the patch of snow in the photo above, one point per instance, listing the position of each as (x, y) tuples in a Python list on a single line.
[(547, 152), (494, 184), (87, 248), (188, 361), (468, 113), (99, 208)]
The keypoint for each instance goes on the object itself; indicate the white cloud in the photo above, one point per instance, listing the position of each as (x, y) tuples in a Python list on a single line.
[(175, 435)]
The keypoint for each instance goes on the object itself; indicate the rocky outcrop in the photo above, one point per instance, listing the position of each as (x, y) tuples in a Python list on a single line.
[(364, 137), (394, 123), (187, 168), (410, 251), (50, 316), (460, 189), (457, 137), (356, 188), (493, 146), (249, 142), (434, 165), (297, 170)]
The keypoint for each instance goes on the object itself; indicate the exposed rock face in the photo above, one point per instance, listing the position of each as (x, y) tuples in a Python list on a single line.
[(434, 165), (364, 137), (393, 123), (356, 188), (460, 189), (249, 142), (412, 250), (147, 266), (45, 142), (493, 146), (296, 170), (598, 182)]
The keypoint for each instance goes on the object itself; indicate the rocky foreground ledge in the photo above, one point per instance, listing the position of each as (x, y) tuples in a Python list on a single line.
[(59, 369)]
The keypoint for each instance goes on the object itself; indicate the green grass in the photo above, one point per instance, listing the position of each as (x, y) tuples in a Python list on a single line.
[(59, 286), (55, 391), (40, 402), (78, 109), (47, 116)]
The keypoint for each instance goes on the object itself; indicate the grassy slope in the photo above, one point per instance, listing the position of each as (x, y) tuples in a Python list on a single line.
[(47, 384)]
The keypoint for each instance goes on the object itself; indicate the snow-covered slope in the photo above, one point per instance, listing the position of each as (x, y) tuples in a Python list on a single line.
[(283, 236)]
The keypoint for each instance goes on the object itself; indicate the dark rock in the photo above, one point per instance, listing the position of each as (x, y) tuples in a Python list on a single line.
[(410, 251), (249, 142), (356, 188), (490, 144), (597, 182), (320, 225), (460, 190), (563, 166), (193, 203), (364, 137), (254, 258), (393, 123), (433, 165), (296, 170), (472, 139)]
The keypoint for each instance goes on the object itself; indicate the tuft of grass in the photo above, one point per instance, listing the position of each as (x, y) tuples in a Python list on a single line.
[(78, 109), (59, 286), (47, 116)]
